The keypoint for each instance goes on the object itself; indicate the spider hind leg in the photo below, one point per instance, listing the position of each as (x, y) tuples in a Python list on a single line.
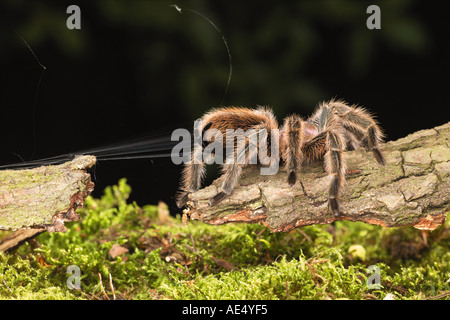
[(359, 124)]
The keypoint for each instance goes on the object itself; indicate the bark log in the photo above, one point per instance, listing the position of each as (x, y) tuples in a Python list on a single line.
[(412, 189), (44, 197), (16, 238)]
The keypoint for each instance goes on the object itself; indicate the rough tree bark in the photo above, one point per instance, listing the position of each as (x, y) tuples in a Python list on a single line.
[(411, 189), (44, 198)]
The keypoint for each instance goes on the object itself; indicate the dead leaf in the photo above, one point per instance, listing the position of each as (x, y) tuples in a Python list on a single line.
[(165, 243), (172, 254), (224, 264), (42, 262), (149, 243), (116, 250), (163, 212)]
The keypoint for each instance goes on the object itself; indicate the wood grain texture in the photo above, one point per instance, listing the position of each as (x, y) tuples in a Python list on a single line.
[(44, 197)]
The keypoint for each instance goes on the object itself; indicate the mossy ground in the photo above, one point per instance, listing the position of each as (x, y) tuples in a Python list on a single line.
[(168, 260)]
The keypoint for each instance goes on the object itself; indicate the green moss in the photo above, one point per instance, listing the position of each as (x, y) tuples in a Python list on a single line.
[(167, 260)]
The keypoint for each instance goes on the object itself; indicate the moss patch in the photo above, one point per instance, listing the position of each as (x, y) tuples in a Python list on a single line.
[(164, 259)]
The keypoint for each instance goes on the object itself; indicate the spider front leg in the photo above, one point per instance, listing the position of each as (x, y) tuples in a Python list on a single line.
[(231, 173), (232, 168), (292, 139), (330, 146), (246, 151)]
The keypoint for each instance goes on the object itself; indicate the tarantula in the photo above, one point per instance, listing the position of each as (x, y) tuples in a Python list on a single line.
[(332, 129)]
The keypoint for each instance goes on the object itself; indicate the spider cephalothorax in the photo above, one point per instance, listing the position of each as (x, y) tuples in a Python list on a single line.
[(333, 128)]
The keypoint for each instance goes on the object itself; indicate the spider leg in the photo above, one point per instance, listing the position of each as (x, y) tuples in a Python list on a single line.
[(314, 149), (231, 173), (292, 140), (330, 145), (335, 166), (232, 169), (193, 173), (360, 126), (373, 141), (192, 177)]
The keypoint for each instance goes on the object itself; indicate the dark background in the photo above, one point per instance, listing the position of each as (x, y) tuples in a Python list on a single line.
[(140, 67)]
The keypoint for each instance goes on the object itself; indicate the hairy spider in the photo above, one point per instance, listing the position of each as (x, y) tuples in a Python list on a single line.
[(332, 129)]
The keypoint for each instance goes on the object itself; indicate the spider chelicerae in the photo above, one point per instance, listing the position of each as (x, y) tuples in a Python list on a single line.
[(332, 129)]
